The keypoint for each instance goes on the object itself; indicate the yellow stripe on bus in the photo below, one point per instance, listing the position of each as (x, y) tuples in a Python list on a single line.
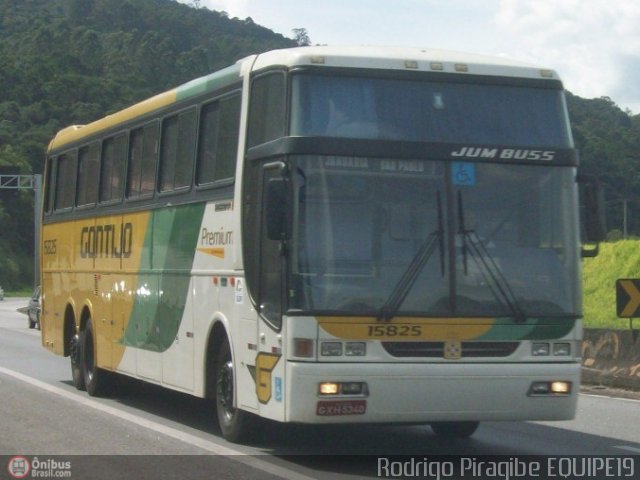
[(77, 133), (406, 328)]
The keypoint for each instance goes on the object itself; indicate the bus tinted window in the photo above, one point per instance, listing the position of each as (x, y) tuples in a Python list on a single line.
[(112, 171), (267, 111), (88, 174), (65, 181), (142, 161), (428, 111), (219, 129), (177, 150)]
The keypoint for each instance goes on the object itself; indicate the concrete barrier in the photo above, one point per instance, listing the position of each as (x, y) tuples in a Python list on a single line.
[(611, 358)]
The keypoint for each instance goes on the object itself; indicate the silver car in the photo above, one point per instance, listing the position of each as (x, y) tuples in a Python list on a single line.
[(33, 309)]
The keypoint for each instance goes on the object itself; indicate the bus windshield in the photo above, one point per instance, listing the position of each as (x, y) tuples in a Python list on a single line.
[(360, 223), (428, 111)]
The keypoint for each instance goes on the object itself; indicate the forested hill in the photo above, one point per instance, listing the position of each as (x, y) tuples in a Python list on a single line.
[(67, 62), (72, 61)]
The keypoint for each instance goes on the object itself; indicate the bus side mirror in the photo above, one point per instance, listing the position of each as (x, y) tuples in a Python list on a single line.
[(276, 209), (592, 199)]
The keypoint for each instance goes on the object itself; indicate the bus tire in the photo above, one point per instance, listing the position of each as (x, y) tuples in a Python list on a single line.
[(75, 354), (454, 429), (96, 379), (234, 423)]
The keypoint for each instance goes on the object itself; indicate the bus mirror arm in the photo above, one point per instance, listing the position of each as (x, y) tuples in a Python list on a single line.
[(276, 198), (592, 203)]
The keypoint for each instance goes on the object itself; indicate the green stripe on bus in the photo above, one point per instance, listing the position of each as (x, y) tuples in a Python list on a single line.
[(161, 297), (534, 329), (214, 81)]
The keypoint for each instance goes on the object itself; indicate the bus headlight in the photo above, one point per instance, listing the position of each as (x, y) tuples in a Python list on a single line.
[(331, 349), (562, 349), (336, 349), (551, 388), (540, 349), (343, 388), (561, 388), (329, 388), (355, 349)]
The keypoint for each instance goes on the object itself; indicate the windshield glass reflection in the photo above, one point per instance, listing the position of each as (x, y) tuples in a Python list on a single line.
[(360, 225), (428, 111)]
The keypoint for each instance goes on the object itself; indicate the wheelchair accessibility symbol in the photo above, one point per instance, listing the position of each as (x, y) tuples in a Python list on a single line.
[(463, 173)]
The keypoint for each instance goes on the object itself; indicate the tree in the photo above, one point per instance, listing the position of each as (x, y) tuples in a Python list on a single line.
[(301, 36)]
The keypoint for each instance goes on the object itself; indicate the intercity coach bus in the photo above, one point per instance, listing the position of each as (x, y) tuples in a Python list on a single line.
[(326, 235)]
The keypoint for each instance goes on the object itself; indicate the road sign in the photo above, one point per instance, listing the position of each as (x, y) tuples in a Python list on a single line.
[(628, 297)]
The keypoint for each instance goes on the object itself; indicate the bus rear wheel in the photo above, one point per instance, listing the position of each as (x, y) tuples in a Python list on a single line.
[(75, 354), (454, 429), (235, 424), (97, 380)]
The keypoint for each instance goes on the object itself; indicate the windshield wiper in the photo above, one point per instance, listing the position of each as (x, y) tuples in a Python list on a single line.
[(490, 270), (409, 277)]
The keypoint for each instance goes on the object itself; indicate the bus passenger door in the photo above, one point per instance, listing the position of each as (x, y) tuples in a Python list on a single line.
[(269, 362)]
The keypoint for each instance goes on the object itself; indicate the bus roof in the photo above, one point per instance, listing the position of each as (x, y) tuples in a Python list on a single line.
[(372, 57), (402, 58), (213, 81)]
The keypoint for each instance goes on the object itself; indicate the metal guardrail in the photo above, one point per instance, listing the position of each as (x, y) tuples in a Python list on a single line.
[(17, 182)]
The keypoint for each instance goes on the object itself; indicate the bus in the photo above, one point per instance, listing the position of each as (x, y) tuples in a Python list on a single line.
[(326, 235)]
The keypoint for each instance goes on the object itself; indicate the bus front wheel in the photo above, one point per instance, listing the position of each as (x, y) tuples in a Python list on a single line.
[(454, 429), (234, 423)]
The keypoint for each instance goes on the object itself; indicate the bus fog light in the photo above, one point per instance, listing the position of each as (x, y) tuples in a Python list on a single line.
[(355, 349), (562, 349), (539, 388), (540, 349), (353, 388), (303, 347), (331, 349), (329, 388), (561, 388)]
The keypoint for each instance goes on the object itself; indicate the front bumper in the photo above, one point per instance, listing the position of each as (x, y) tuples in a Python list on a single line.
[(425, 392)]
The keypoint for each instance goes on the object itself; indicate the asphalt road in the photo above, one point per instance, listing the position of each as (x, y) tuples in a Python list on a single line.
[(143, 431)]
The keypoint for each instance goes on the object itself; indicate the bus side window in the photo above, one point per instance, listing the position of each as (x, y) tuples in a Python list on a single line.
[(48, 188), (267, 109), (143, 152), (88, 174), (218, 142), (112, 171), (65, 182), (177, 151)]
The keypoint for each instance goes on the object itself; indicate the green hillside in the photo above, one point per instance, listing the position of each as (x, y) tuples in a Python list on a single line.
[(65, 62), (616, 260)]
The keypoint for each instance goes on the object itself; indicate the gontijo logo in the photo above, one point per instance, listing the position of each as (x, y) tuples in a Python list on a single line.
[(18, 467)]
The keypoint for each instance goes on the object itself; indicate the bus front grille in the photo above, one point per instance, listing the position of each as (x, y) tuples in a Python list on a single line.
[(437, 349)]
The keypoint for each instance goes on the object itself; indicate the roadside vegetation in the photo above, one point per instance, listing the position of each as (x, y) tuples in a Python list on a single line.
[(616, 260)]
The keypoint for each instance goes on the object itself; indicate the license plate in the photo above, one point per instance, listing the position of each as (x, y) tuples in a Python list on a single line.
[(341, 407)]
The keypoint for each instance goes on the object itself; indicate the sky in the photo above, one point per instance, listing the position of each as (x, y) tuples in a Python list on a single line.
[(593, 44)]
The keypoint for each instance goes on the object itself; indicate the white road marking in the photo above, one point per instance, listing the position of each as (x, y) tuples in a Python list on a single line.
[(628, 448), (163, 429), (610, 397)]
